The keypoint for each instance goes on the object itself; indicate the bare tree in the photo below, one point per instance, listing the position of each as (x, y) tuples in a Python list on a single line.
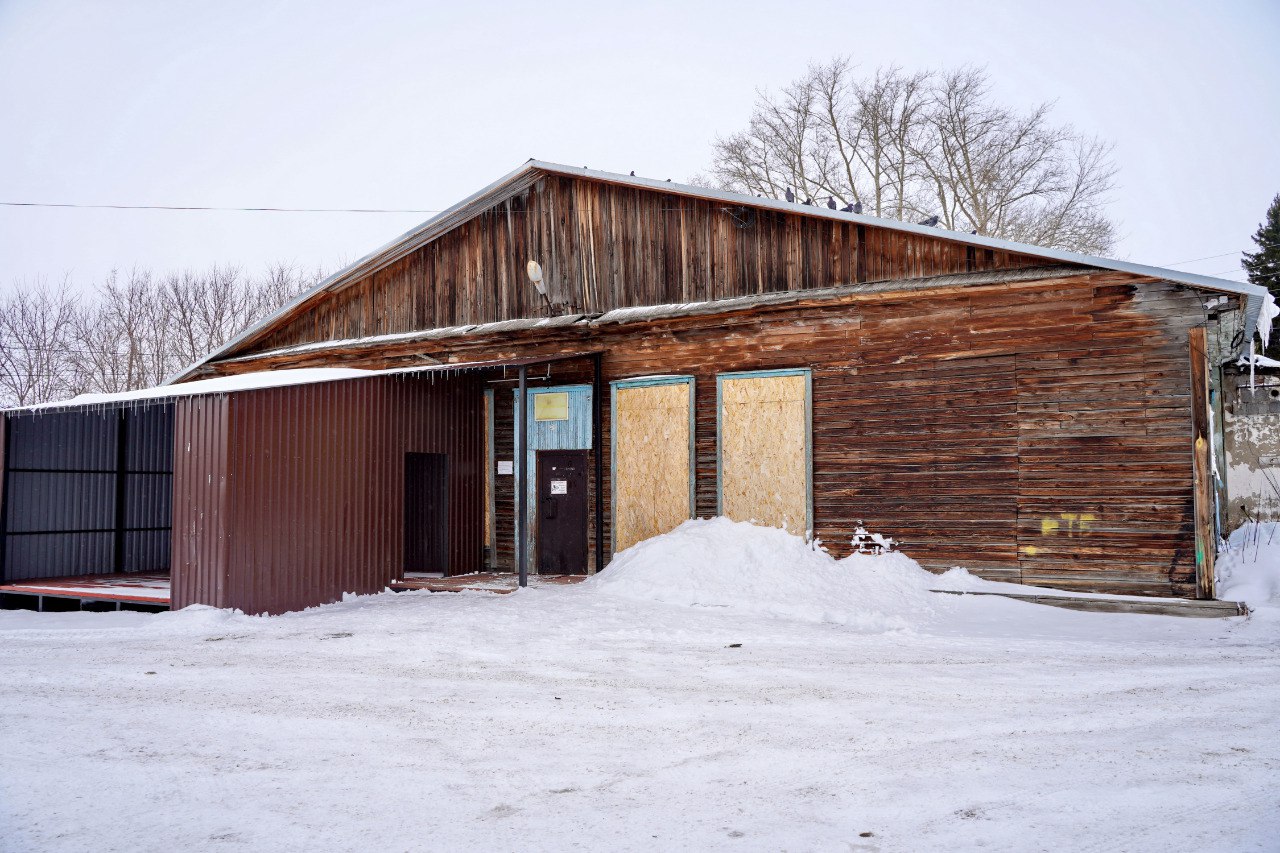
[(134, 331), (36, 323), (914, 145), (116, 346)]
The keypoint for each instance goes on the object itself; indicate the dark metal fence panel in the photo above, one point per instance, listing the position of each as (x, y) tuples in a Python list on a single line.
[(290, 497), (89, 491), (64, 441)]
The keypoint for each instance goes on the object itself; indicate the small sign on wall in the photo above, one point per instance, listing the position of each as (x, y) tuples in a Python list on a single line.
[(551, 406), (506, 466), (559, 487)]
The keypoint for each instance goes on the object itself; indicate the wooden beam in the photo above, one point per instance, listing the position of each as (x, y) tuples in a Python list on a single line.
[(1202, 449), (1154, 607)]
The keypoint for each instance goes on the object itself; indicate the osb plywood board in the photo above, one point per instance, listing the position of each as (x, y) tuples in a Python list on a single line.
[(651, 461), (764, 474)]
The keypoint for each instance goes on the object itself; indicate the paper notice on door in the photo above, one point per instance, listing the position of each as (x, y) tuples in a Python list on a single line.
[(506, 466), (559, 487)]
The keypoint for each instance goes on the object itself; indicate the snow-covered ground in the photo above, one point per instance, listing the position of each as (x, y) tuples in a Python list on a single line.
[(596, 717)]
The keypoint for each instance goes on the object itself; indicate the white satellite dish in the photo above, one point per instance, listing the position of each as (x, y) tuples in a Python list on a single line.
[(535, 276)]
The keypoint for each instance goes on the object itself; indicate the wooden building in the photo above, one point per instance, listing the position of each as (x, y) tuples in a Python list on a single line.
[(1035, 415)]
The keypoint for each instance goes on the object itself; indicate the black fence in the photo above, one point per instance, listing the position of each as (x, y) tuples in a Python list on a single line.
[(87, 492)]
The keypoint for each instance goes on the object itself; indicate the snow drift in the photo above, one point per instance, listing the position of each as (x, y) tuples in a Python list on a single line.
[(1249, 565), (763, 570)]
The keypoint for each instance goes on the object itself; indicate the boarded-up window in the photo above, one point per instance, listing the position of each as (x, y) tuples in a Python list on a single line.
[(652, 457), (764, 435)]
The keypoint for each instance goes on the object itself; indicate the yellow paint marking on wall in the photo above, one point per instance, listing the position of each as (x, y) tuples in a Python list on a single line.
[(764, 472), (1076, 523), (651, 461)]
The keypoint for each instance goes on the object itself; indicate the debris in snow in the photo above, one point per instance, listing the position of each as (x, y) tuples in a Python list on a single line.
[(1248, 566), (751, 569), (871, 543)]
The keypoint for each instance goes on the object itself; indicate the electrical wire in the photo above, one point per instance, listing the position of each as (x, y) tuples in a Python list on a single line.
[(218, 209)]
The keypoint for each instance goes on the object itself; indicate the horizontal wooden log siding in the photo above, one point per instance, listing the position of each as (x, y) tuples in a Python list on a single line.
[(1038, 432), (605, 246)]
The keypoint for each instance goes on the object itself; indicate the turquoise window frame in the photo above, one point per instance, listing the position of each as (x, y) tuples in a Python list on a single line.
[(642, 382), (807, 373)]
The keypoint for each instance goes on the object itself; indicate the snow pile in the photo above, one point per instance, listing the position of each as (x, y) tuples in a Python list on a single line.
[(1249, 566), (763, 570)]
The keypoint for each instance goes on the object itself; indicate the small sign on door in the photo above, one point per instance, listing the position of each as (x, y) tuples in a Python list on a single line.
[(559, 487), (506, 466)]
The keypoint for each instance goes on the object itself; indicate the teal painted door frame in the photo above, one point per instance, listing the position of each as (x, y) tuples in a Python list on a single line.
[(573, 433)]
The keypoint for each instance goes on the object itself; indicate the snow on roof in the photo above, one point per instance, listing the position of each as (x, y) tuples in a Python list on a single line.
[(272, 379), (220, 385)]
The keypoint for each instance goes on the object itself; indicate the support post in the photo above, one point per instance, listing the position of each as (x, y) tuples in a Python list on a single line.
[(522, 498), (1201, 466), (597, 444), (122, 463)]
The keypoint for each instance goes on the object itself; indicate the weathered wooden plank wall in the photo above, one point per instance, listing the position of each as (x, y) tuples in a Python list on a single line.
[(1039, 432), (605, 246)]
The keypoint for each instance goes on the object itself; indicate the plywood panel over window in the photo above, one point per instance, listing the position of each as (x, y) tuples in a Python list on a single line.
[(764, 448), (652, 457)]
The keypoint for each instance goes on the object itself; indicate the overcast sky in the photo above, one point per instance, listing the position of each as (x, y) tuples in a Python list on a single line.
[(417, 105)]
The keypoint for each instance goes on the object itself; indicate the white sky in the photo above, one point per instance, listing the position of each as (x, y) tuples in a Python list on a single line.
[(417, 105)]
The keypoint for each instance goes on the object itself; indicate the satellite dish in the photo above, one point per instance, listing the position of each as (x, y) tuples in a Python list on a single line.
[(535, 276)]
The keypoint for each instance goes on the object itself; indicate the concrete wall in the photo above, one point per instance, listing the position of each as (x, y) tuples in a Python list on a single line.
[(1252, 446)]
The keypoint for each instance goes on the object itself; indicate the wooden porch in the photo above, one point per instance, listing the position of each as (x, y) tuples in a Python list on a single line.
[(150, 588)]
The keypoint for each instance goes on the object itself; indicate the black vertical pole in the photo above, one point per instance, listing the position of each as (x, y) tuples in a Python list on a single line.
[(4, 501), (597, 442), (522, 497), (122, 461)]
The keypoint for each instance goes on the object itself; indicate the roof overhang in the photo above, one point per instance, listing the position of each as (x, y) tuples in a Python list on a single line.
[(246, 382), (527, 174)]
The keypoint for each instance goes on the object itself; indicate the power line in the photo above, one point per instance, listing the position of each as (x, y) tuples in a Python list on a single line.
[(217, 209), (1223, 255)]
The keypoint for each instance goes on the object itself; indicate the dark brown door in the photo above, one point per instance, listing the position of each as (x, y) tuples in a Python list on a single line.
[(562, 512), (426, 512)]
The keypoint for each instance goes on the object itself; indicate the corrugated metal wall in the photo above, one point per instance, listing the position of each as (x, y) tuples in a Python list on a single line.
[(290, 497), (88, 491), (200, 490)]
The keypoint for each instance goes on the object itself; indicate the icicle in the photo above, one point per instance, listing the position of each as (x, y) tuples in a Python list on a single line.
[(1266, 317), (1252, 361), (1213, 454)]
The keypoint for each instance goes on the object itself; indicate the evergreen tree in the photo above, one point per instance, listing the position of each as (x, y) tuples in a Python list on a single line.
[(1263, 266)]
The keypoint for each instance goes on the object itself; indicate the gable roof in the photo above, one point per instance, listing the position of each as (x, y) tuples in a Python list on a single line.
[(527, 174)]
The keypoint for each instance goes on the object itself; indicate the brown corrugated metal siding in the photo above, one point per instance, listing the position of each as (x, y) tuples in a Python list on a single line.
[(289, 497)]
